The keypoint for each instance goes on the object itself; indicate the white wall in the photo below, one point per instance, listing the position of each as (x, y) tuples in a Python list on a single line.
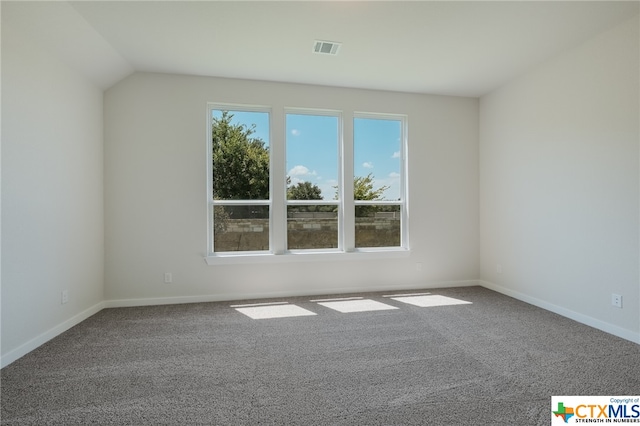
[(155, 192), (559, 183), (52, 196)]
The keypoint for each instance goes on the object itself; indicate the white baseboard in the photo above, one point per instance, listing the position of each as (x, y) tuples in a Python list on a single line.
[(581, 318), (224, 297), (32, 344)]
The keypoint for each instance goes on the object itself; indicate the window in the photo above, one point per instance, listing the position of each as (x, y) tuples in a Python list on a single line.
[(240, 178), (313, 202), (311, 189), (378, 187)]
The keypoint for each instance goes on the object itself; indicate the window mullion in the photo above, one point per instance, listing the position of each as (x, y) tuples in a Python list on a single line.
[(241, 202), (348, 208), (312, 202), (278, 183), (404, 184)]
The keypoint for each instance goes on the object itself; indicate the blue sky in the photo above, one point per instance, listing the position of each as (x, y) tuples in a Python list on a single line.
[(376, 149), (312, 149)]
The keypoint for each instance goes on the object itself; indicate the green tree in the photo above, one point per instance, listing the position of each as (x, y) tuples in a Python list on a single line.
[(363, 188), (304, 191), (240, 161)]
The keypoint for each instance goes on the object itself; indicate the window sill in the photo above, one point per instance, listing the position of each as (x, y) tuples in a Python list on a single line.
[(306, 256)]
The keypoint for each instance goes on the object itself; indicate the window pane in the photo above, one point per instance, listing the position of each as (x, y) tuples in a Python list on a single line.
[(376, 153), (377, 226), (240, 142), (240, 228), (312, 227), (312, 157)]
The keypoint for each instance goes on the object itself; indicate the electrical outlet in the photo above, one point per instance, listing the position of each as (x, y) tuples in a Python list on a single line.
[(418, 266), (168, 278), (616, 300), (499, 268), (64, 297)]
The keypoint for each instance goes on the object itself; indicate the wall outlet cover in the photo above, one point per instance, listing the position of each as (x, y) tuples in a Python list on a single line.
[(616, 300)]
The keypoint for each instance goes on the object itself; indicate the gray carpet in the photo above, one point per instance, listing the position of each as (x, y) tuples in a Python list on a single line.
[(496, 361)]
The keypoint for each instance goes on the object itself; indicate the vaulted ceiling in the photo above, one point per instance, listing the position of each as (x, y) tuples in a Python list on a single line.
[(450, 48)]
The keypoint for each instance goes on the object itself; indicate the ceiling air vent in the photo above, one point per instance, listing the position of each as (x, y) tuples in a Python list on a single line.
[(326, 47)]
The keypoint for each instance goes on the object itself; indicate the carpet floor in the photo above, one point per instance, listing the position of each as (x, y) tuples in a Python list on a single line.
[(414, 361)]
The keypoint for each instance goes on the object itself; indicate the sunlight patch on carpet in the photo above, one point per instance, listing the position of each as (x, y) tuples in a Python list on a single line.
[(246, 305), (405, 294), (336, 299), (429, 301), (274, 311), (348, 306)]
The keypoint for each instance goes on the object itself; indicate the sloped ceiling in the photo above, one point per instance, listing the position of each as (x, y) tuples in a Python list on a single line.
[(57, 27), (450, 48)]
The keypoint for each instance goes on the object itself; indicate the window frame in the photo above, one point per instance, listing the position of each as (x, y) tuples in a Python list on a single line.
[(404, 193), (340, 177), (212, 203), (278, 202)]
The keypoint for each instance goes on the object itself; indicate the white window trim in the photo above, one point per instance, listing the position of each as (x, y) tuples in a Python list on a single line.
[(306, 256), (211, 202), (277, 162)]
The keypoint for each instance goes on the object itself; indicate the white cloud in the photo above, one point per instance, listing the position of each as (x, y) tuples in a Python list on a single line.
[(295, 132), (396, 154), (294, 180), (394, 175), (367, 165), (299, 171), (299, 174)]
